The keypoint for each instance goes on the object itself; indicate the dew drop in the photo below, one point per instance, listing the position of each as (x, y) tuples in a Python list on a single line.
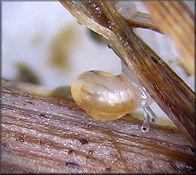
[(146, 122), (126, 9), (151, 114), (146, 100)]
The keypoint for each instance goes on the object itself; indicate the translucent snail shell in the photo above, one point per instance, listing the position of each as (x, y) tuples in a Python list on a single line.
[(105, 96)]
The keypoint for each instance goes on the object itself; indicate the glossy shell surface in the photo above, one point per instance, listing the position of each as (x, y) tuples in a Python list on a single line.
[(105, 96)]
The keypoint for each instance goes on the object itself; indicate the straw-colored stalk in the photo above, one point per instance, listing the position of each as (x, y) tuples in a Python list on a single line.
[(175, 19)]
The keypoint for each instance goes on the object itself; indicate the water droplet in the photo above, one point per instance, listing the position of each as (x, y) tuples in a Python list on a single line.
[(146, 122), (146, 100), (126, 9), (151, 114)]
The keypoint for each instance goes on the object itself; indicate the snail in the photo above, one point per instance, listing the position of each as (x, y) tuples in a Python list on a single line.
[(108, 97), (104, 96)]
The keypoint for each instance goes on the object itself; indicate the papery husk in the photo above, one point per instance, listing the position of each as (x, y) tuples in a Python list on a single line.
[(175, 19)]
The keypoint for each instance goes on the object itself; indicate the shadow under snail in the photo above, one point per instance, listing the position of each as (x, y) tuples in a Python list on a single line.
[(108, 97)]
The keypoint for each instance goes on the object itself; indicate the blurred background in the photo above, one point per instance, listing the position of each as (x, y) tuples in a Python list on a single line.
[(44, 38)]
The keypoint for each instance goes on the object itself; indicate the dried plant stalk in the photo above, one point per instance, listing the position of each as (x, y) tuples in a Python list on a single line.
[(142, 20), (164, 86), (45, 135), (136, 18), (175, 19)]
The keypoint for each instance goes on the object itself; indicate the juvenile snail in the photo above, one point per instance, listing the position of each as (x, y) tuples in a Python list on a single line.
[(107, 97), (104, 96)]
